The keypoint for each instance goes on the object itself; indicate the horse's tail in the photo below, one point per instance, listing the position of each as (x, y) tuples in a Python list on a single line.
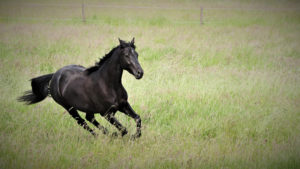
[(39, 90)]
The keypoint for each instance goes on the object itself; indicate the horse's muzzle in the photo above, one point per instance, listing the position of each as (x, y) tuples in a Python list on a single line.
[(139, 74)]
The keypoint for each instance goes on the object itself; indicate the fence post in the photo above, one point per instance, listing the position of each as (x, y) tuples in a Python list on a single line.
[(82, 12), (201, 15)]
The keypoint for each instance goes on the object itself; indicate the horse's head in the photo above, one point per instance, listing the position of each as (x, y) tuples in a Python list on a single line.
[(129, 59)]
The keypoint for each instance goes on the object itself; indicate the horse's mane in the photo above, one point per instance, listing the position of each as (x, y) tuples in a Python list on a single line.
[(106, 57), (100, 62)]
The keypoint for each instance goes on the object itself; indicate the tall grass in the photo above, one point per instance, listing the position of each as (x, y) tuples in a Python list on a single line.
[(220, 95)]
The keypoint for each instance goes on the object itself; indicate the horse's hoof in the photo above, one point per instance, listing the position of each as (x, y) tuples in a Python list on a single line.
[(124, 132), (136, 135), (114, 134), (94, 134), (105, 131)]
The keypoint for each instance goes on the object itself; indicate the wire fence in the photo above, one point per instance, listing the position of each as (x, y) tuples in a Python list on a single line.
[(98, 5), (84, 11)]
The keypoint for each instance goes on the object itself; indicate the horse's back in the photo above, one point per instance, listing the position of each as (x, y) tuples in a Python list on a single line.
[(73, 69), (67, 72), (61, 78)]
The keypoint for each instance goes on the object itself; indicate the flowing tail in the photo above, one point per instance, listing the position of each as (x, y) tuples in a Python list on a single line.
[(39, 90)]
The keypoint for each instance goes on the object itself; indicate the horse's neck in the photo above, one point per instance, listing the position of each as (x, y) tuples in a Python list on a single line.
[(111, 71)]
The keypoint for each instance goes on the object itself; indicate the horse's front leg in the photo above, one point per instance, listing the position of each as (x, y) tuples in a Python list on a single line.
[(127, 109)]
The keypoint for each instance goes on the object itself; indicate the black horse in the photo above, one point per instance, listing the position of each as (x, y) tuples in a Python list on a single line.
[(97, 89)]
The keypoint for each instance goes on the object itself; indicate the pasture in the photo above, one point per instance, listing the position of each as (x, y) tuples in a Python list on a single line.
[(224, 94)]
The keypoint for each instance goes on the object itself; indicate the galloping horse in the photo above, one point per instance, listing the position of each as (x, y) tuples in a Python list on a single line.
[(97, 89)]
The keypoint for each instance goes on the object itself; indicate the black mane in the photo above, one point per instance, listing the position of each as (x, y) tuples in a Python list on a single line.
[(107, 56), (100, 62)]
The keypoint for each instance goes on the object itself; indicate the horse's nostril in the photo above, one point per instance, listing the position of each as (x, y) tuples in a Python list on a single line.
[(139, 74)]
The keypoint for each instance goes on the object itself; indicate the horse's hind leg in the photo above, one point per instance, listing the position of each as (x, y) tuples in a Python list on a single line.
[(112, 120), (91, 118), (80, 120)]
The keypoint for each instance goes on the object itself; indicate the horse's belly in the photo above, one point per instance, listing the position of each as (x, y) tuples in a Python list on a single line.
[(88, 101)]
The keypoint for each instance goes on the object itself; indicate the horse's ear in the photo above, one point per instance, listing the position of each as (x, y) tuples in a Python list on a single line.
[(132, 43), (122, 43)]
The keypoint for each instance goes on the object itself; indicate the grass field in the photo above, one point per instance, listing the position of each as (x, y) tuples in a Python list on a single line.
[(224, 94)]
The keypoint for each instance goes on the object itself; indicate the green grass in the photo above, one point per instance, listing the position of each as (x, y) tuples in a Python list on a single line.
[(220, 95)]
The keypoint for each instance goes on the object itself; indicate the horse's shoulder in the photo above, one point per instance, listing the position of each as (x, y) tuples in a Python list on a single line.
[(122, 93)]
